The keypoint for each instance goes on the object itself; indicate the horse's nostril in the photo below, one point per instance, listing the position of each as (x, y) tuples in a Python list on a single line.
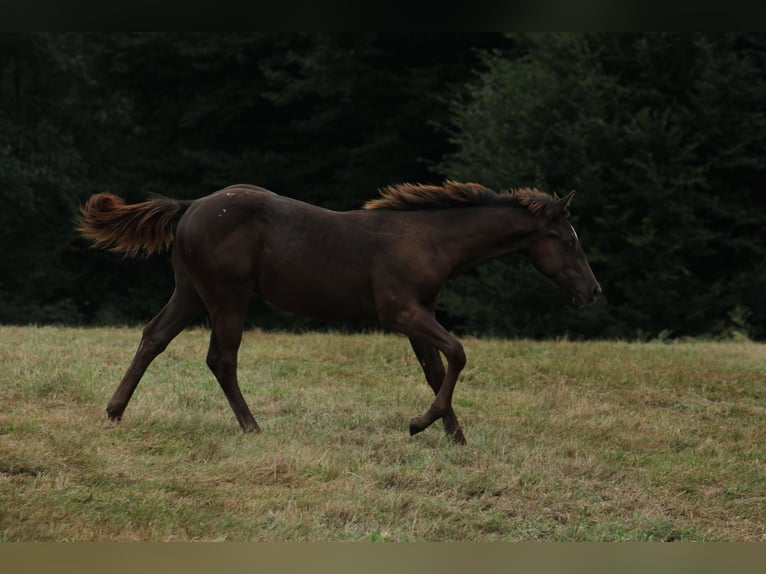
[(596, 290)]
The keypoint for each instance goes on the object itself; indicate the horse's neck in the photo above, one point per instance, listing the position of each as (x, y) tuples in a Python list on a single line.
[(478, 234)]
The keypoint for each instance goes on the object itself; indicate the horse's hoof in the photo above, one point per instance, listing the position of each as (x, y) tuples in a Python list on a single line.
[(415, 427), (457, 437), (113, 418)]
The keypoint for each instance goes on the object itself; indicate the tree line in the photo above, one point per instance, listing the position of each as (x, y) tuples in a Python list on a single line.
[(662, 136)]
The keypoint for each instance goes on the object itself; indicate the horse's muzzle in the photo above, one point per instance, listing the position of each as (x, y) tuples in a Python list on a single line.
[(581, 299)]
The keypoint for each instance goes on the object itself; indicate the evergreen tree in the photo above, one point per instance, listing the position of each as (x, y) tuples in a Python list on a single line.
[(324, 118), (41, 166), (663, 137)]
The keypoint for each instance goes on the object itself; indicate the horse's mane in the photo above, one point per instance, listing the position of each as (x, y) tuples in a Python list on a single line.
[(412, 196)]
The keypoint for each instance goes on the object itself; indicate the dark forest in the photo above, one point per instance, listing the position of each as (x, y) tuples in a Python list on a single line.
[(663, 136)]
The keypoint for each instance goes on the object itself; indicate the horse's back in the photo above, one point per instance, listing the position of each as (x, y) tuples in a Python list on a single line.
[(300, 257)]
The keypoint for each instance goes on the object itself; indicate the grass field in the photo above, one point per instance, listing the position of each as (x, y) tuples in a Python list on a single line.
[(566, 441)]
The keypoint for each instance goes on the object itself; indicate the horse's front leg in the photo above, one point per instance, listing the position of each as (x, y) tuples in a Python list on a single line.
[(421, 325), (433, 368)]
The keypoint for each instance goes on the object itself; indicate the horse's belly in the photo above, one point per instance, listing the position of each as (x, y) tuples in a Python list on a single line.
[(328, 298)]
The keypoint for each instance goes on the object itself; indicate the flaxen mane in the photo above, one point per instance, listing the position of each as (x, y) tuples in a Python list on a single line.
[(411, 196)]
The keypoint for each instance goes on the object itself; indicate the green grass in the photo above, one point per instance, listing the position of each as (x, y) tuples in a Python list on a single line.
[(566, 441)]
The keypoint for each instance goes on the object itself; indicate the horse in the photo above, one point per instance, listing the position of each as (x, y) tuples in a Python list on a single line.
[(386, 263)]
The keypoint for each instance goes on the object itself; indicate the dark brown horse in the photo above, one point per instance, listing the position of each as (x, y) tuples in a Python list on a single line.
[(387, 263)]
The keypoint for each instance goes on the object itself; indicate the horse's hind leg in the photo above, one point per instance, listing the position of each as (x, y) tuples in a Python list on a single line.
[(225, 338), (433, 368), (182, 307)]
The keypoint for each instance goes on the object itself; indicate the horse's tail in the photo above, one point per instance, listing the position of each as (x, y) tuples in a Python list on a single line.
[(111, 223)]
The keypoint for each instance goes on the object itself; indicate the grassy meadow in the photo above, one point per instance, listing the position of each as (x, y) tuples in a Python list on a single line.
[(567, 441)]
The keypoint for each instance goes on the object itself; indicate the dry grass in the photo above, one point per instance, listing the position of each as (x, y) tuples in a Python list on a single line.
[(567, 441)]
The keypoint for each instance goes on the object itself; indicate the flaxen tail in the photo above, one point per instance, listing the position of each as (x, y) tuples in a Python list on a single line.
[(111, 223)]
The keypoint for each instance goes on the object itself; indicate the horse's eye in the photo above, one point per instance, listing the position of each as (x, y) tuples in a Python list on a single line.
[(570, 242)]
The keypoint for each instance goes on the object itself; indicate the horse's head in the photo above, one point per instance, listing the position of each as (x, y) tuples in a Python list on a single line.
[(556, 252)]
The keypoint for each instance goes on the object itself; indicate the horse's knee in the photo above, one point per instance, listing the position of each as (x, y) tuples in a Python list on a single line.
[(456, 356)]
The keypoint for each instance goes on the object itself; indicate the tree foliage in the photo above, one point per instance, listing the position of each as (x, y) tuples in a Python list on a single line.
[(323, 118), (662, 135)]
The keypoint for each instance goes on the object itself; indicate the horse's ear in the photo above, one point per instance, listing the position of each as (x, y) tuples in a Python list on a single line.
[(560, 206)]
